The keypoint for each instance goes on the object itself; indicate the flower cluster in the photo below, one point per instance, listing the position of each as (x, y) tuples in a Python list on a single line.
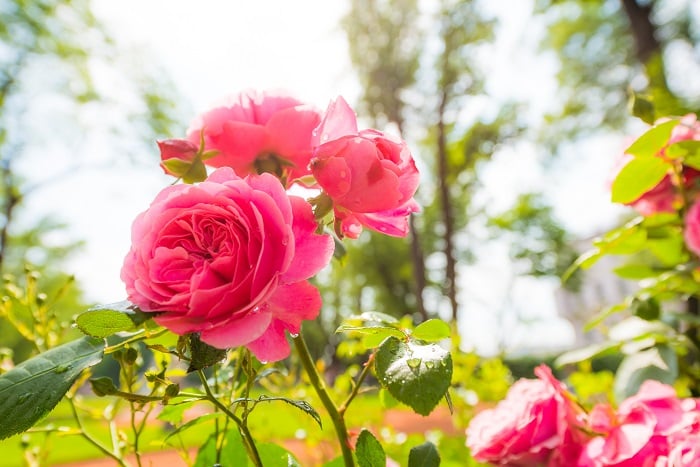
[(228, 255), (540, 423)]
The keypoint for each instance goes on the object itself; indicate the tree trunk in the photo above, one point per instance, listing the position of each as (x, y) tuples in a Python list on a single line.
[(446, 204)]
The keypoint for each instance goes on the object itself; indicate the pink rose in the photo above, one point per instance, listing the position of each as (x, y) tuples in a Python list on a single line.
[(257, 132), (228, 258), (370, 177), (522, 430), (683, 453), (692, 228), (638, 433)]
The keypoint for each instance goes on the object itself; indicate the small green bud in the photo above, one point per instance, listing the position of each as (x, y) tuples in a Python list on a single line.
[(103, 386), (130, 356), (172, 390)]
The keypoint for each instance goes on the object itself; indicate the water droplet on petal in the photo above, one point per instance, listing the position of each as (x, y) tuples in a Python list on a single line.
[(294, 335)]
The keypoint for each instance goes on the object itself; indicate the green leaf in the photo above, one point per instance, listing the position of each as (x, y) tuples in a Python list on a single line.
[(206, 454), (273, 455), (432, 330), (586, 353), (369, 451), (32, 389), (106, 320), (416, 374), (689, 151), (203, 355), (301, 405), (642, 108), (659, 363), (638, 176), (424, 455), (337, 462), (637, 328), (635, 271), (651, 142), (173, 413)]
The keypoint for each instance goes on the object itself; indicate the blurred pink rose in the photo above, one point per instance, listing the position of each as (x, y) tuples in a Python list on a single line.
[(683, 453), (371, 177), (228, 258), (638, 433), (664, 197), (692, 228), (258, 132), (522, 430)]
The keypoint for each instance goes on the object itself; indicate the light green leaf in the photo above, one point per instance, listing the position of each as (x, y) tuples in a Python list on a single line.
[(369, 451), (638, 176), (424, 455), (416, 374), (273, 455), (301, 405), (194, 422), (651, 142), (432, 330), (637, 328), (689, 151), (586, 353), (106, 320), (33, 388), (659, 363)]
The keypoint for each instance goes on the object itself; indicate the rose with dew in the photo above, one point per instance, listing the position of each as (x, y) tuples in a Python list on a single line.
[(522, 430), (257, 132), (369, 176), (228, 258)]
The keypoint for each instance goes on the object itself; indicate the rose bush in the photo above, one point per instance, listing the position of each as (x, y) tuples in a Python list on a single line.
[(228, 258), (370, 177), (259, 131)]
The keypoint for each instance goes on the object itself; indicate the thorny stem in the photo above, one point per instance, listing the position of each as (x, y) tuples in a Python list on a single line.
[(332, 409), (245, 433)]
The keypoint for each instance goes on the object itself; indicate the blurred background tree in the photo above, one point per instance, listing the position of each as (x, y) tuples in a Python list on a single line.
[(62, 78)]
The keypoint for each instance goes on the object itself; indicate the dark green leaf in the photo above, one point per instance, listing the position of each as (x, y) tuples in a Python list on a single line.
[(424, 455), (658, 363), (369, 451), (432, 330), (273, 455), (203, 355), (206, 454), (638, 176), (33, 388), (416, 374), (105, 320), (103, 386), (234, 452), (651, 142)]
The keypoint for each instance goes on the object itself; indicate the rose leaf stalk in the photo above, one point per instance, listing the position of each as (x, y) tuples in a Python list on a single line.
[(320, 387)]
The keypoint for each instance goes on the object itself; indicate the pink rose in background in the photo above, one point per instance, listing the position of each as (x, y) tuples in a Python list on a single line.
[(692, 228), (522, 430), (683, 453), (228, 258), (259, 132), (641, 430), (371, 177)]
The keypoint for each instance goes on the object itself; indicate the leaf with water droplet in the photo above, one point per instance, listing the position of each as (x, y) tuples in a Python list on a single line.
[(415, 373), (41, 382), (106, 320)]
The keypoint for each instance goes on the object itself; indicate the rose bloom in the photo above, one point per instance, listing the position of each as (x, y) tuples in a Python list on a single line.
[(258, 132), (638, 433), (228, 258), (684, 452), (522, 430), (370, 177)]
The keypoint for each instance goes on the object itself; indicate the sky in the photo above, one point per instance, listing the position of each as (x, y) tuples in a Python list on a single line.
[(211, 49)]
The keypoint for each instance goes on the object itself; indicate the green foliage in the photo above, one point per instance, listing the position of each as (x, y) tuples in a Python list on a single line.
[(32, 389), (106, 320), (659, 363), (416, 374), (424, 455), (369, 451)]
